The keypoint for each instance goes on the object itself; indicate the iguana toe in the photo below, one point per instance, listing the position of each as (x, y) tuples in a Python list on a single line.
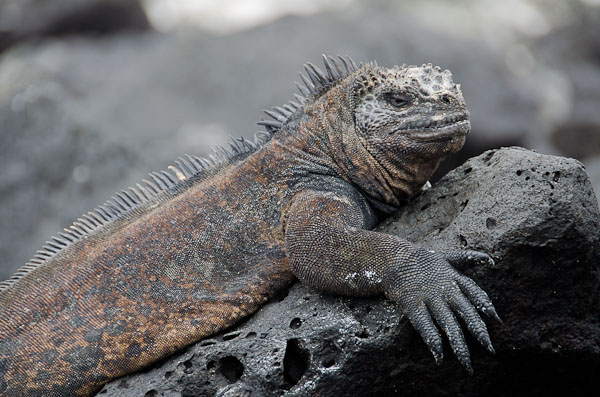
[(465, 309), (447, 320), (421, 320), (478, 297), (460, 258)]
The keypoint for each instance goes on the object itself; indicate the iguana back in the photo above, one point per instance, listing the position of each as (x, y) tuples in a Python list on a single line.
[(184, 264)]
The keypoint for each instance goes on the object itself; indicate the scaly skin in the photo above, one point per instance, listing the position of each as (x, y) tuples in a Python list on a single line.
[(185, 256)]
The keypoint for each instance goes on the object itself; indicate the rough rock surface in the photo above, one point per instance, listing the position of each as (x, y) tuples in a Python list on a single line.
[(537, 215)]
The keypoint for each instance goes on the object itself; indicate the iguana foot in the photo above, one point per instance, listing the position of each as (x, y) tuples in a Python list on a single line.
[(428, 288)]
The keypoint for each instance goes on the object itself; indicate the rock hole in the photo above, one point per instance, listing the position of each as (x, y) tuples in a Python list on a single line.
[(251, 335), (123, 384), (207, 343), (490, 223), (423, 208), (168, 374), (556, 176), (188, 366), (527, 178), (151, 393), (282, 295), (468, 170), (519, 172), (363, 334), (463, 241), (210, 365), (230, 336), (295, 362), (295, 323), (463, 205), (328, 363), (231, 368)]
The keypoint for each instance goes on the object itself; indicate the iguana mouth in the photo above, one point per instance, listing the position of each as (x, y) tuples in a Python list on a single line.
[(429, 134), (437, 129)]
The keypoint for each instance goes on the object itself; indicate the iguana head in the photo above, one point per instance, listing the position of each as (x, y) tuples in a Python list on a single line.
[(412, 109), (384, 130)]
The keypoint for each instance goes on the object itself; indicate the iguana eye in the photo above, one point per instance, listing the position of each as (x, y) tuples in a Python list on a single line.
[(397, 100)]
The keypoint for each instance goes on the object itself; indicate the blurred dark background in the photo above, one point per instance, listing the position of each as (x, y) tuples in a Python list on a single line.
[(96, 93)]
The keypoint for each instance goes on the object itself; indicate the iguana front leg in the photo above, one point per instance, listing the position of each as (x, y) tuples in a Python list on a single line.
[(330, 249)]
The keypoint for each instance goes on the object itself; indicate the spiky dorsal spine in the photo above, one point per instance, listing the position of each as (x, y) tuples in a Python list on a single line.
[(187, 169), (160, 186), (314, 84)]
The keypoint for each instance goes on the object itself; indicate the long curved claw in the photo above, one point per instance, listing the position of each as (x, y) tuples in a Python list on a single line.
[(478, 297), (448, 322), (461, 305), (421, 320)]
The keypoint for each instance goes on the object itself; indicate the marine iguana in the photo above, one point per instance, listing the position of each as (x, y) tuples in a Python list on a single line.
[(190, 252)]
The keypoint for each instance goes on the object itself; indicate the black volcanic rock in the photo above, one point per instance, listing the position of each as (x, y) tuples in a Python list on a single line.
[(537, 215)]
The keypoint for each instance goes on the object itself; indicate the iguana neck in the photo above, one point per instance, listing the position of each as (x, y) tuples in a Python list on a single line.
[(386, 178)]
